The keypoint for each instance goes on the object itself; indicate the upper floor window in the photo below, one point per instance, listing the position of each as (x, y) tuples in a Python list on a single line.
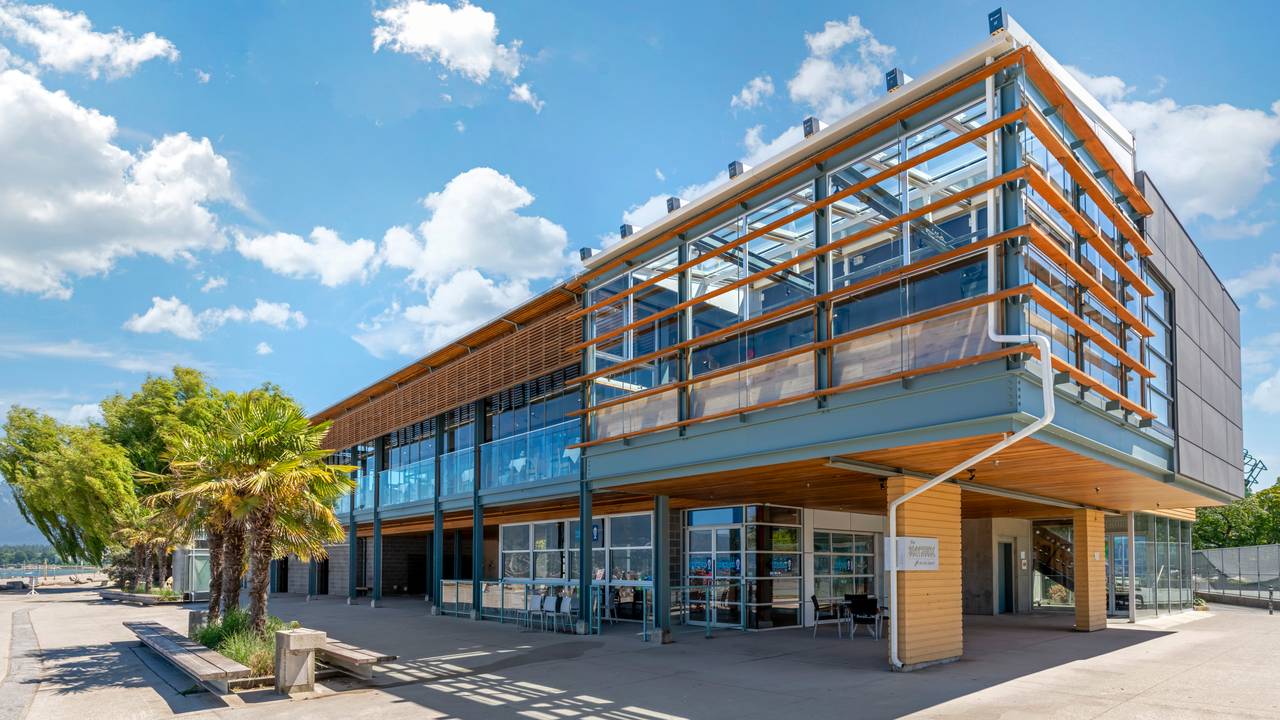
[(1158, 315)]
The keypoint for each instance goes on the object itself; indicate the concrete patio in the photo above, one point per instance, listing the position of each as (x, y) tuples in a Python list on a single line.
[(87, 665)]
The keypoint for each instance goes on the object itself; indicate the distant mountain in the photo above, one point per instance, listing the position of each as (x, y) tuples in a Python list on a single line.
[(14, 530)]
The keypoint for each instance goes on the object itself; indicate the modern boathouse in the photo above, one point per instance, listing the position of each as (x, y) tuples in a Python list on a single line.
[(961, 317)]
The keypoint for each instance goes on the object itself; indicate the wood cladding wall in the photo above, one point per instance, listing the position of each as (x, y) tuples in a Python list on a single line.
[(1088, 532), (534, 349), (930, 603)]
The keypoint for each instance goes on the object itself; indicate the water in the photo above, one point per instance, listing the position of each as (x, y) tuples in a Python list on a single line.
[(16, 571)]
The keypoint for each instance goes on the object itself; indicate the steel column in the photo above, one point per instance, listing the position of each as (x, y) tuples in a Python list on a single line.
[(437, 528), (586, 545), (379, 452), (353, 560), (661, 570)]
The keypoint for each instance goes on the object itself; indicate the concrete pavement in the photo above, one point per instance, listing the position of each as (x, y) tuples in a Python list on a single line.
[(1188, 666)]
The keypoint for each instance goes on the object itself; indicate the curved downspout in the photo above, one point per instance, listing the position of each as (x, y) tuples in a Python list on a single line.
[(1046, 386)]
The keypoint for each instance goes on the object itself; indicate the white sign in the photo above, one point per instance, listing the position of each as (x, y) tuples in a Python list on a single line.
[(917, 553)]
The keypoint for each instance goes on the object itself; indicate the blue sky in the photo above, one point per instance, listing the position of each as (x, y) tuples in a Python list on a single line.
[(164, 167)]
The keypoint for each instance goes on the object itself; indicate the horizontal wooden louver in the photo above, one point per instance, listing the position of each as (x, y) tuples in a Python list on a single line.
[(534, 350)]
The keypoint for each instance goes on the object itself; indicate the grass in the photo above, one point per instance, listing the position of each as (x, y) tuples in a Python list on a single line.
[(232, 636), (163, 593)]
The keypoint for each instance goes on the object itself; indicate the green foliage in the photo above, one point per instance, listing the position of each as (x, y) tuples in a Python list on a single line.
[(70, 482), (1251, 520), (140, 422), (234, 637), (27, 554)]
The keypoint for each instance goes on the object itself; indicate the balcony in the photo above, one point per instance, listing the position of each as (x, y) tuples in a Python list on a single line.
[(342, 506), (457, 472), (537, 456), (411, 483), (364, 492)]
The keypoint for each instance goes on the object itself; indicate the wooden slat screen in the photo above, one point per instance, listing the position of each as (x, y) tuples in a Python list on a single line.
[(535, 349)]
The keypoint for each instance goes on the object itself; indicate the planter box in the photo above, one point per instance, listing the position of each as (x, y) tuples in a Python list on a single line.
[(137, 598)]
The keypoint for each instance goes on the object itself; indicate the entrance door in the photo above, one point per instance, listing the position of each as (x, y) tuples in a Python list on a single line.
[(713, 572), (322, 577), (1004, 578), (282, 575)]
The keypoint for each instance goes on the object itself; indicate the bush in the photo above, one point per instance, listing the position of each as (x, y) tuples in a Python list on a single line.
[(232, 636)]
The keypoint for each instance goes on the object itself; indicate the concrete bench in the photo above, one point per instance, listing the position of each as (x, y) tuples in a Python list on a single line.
[(350, 659), (137, 598), (208, 667)]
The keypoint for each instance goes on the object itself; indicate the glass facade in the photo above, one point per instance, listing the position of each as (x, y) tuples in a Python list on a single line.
[(1163, 565), (1053, 577), (904, 232), (1252, 571)]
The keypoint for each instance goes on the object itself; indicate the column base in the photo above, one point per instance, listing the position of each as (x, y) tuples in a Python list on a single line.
[(375, 602), (435, 610), (912, 667), (660, 636), (475, 615), (351, 600)]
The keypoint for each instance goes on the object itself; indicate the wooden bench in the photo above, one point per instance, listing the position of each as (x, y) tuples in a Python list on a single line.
[(350, 659), (208, 667), (137, 598)]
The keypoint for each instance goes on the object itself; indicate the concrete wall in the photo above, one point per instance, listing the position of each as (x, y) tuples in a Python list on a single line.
[(1209, 413), (298, 575), (396, 550), (980, 539), (339, 563)]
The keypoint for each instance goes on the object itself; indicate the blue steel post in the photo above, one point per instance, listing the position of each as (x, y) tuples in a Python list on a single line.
[(684, 331), (1011, 210), (311, 579), (379, 452), (661, 570), (822, 284), (353, 559), (437, 528), (585, 541), (477, 515)]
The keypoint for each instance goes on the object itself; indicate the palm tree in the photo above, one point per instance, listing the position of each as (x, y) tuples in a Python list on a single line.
[(261, 463)]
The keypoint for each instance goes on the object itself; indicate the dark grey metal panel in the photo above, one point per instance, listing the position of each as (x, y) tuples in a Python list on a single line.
[(1189, 410)]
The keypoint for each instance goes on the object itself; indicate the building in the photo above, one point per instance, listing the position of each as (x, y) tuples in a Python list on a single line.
[(960, 318)]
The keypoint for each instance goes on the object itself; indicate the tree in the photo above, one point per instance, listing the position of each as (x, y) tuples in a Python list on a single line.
[(1251, 520), (261, 462), (69, 482)]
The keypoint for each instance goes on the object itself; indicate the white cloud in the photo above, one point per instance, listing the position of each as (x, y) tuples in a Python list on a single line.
[(453, 307), (173, 316), (326, 256), (1107, 88), (522, 94), (72, 203), (459, 126), (461, 39), (213, 283), (758, 150), (446, 97), (475, 224), (77, 351), (263, 349), (203, 77), (1266, 396), (657, 172), (753, 93), (1257, 279), (844, 70), (1235, 229), (1265, 301), (66, 41), (1210, 160), (81, 414), (474, 257)]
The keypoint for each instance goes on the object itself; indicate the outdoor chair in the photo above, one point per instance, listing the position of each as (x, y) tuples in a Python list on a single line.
[(864, 610), (550, 602), (564, 609), (826, 612), (532, 606)]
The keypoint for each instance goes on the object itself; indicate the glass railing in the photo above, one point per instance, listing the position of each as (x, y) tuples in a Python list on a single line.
[(342, 506), (407, 484), (457, 472), (364, 492), (535, 456)]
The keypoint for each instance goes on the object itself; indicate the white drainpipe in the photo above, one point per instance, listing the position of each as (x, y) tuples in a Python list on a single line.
[(1046, 387)]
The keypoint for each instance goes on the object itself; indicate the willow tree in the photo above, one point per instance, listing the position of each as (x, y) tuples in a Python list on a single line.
[(68, 481), (262, 462)]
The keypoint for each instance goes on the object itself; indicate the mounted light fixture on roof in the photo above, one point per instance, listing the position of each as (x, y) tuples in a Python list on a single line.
[(673, 204), (811, 125), (997, 21), (626, 230), (736, 168), (585, 253), (894, 79)]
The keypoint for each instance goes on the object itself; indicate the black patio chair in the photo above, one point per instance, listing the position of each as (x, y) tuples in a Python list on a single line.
[(826, 612), (864, 610)]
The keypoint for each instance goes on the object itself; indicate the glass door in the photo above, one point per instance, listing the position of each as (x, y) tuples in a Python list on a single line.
[(713, 572)]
